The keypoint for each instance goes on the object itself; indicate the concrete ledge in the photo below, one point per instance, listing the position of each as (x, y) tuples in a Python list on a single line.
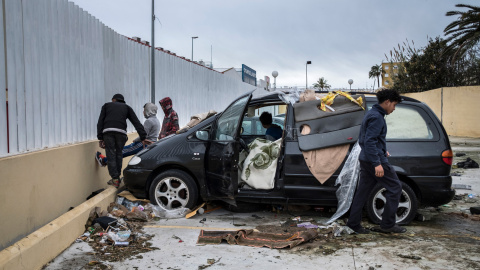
[(43, 245)]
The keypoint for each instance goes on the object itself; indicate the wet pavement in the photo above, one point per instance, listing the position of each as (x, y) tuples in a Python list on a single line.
[(449, 238)]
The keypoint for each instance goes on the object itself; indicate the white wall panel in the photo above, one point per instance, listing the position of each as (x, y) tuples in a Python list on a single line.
[(13, 35), (3, 86), (62, 65)]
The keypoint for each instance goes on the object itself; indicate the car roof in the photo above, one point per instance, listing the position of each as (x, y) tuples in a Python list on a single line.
[(368, 95)]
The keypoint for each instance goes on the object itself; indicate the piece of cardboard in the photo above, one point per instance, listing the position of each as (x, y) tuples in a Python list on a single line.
[(194, 211), (127, 195)]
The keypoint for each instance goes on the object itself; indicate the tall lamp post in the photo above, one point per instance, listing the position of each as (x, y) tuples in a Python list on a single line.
[(192, 45), (306, 74), (275, 74), (350, 82), (152, 68)]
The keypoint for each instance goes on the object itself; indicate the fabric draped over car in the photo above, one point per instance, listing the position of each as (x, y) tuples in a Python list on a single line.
[(328, 125), (197, 119)]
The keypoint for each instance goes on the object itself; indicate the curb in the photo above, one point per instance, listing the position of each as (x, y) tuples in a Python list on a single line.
[(43, 245)]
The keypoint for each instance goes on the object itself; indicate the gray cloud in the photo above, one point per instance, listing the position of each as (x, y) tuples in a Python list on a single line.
[(342, 38)]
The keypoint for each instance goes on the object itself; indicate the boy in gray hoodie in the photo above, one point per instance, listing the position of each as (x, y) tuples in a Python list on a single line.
[(151, 126)]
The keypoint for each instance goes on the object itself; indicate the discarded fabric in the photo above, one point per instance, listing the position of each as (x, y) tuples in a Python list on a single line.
[(257, 239), (469, 163)]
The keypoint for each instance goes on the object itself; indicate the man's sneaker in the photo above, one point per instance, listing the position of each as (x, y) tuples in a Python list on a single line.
[(394, 229), (361, 230), (98, 157), (114, 182)]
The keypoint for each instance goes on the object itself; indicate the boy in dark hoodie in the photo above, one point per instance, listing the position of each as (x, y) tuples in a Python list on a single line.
[(151, 126), (170, 121)]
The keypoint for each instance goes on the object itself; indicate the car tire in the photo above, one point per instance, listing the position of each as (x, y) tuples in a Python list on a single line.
[(407, 208), (174, 189)]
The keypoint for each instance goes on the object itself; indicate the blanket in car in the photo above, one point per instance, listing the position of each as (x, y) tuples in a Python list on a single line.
[(258, 168)]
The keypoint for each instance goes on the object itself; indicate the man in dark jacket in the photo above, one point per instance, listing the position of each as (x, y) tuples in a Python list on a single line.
[(112, 133), (375, 168)]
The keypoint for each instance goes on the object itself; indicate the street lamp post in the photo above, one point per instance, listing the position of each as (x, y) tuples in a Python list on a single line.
[(275, 74), (192, 45), (152, 68), (306, 74)]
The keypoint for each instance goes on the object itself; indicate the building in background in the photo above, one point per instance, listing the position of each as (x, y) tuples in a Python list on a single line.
[(390, 70)]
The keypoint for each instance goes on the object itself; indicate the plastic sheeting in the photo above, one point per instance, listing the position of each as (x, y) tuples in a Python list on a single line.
[(347, 180), (291, 97)]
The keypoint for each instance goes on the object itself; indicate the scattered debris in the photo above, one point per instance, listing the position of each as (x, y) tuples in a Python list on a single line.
[(475, 210), (469, 163), (257, 239), (116, 234), (198, 209), (307, 225), (339, 230), (460, 154), (455, 174), (178, 238), (95, 193), (413, 257), (465, 215), (210, 262), (462, 186), (420, 217)]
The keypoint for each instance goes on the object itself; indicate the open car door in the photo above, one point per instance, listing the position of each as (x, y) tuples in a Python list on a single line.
[(223, 151)]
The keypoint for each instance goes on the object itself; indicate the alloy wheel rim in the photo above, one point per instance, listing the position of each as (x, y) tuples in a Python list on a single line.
[(404, 205), (172, 193)]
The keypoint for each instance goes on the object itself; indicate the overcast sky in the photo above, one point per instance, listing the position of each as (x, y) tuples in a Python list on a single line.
[(342, 38)]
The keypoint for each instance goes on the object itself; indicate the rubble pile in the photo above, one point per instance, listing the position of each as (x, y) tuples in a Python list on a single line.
[(116, 234)]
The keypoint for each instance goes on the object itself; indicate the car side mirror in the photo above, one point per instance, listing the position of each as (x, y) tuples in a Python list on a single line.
[(202, 135)]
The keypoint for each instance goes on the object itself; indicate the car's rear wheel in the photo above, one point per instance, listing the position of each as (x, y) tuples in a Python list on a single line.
[(174, 189), (407, 207)]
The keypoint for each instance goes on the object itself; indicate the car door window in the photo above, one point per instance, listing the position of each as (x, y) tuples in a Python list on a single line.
[(406, 122), (227, 123)]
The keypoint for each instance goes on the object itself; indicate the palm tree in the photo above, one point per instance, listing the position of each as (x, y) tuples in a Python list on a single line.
[(321, 84), (375, 72), (464, 33)]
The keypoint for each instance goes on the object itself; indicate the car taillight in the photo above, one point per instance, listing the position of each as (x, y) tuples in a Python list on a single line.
[(447, 157)]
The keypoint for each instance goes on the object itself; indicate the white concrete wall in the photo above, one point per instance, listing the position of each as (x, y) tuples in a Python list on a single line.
[(62, 64)]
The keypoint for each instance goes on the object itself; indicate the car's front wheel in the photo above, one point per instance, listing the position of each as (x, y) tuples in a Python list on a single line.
[(174, 189), (407, 207)]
